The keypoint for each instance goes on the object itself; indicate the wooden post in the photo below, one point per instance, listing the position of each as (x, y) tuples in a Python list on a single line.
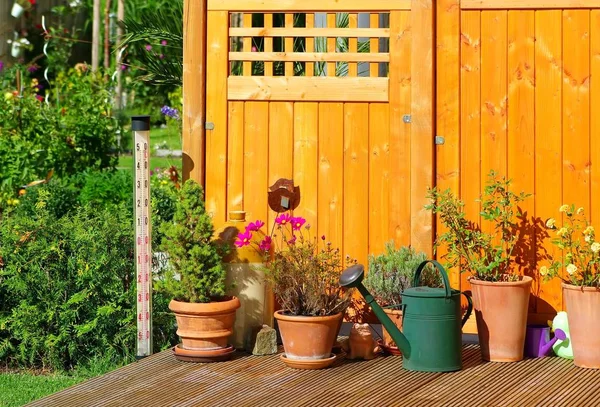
[(95, 35), (107, 34), (422, 122), (194, 89), (119, 90)]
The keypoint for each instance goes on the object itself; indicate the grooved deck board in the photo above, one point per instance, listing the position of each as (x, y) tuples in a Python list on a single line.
[(160, 380)]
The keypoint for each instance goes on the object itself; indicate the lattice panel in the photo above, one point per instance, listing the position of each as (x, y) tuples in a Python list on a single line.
[(309, 44)]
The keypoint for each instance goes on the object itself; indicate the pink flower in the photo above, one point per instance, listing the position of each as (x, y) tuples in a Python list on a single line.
[(255, 226), (161, 56), (297, 223), (163, 42), (292, 241), (39, 97), (253, 49), (265, 245), (283, 219), (148, 47), (243, 239)]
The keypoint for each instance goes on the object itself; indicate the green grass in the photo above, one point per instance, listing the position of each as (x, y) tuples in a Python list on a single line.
[(126, 162), (17, 389), (172, 137)]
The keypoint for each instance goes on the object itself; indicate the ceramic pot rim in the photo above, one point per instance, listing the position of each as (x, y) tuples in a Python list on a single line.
[(205, 308), (279, 315), (573, 287), (525, 280)]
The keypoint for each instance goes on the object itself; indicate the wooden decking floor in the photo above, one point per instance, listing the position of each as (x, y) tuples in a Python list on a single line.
[(247, 380)]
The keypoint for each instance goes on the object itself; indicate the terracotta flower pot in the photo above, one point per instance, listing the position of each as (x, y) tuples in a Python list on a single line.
[(306, 338), (501, 315), (205, 326), (583, 312), (388, 343)]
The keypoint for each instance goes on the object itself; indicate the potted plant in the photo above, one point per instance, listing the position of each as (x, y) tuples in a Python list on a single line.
[(389, 274), (205, 315), (500, 294), (579, 270), (20, 6), (304, 276)]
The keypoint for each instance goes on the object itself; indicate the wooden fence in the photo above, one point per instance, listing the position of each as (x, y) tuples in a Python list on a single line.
[(508, 86)]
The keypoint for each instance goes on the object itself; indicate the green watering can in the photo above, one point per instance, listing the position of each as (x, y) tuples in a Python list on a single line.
[(431, 321)]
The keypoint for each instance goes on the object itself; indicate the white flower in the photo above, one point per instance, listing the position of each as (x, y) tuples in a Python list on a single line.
[(589, 230), (579, 211), (562, 231), (543, 270), (563, 208), (587, 238), (571, 269), (550, 223), (596, 247)]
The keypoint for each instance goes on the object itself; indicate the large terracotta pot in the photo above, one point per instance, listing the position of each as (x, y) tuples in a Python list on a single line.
[(388, 343), (306, 338), (583, 313), (501, 315), (205, 326)]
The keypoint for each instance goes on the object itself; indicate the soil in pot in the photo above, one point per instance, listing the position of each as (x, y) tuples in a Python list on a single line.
[(583, 313), (501, 314), (307, 338)]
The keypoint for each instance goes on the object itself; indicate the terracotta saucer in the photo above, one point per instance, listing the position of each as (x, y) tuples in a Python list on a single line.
[(390, 350), (310, 364), (203, 356)]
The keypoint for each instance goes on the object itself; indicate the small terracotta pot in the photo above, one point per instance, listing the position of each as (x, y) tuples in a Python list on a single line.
[(501, 315), (308, 337), (396, 317), (583, 313), (203, 326)]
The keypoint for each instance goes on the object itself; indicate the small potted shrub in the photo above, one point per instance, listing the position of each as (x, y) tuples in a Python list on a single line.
[(304, 275), (500, 294), (205, 315), (20, 6), (389, 274), (579, 270)]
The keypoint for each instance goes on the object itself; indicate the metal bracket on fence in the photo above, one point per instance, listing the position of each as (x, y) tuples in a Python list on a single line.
[(439, 140), (209, 126), (406, 118)]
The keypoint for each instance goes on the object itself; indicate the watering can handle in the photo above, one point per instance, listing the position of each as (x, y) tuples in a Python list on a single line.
[(469, 309), (417, 277)]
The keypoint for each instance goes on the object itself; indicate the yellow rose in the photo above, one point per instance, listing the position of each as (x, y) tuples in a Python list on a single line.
[(589, 230), (543, 270), (571, 269), (596, 247), (588, 238), (562, 231), (579, 211), (563, 208), (550, 223), (8, 96)]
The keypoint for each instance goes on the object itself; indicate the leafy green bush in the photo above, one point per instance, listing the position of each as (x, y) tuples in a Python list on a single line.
[(73, 133), (67, 287), (192, 252)]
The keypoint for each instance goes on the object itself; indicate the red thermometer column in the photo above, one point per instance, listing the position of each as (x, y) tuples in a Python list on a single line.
[(140, 125)]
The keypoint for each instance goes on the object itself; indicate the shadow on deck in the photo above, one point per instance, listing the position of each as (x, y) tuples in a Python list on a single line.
[(247, 380)]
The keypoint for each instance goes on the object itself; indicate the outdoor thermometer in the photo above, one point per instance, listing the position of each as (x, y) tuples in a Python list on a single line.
[(140, 125)]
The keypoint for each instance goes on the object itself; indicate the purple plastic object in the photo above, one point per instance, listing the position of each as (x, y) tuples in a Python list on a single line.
[(537, 341)]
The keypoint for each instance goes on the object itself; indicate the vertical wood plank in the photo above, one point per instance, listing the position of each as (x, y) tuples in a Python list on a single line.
[(289, 44), (331, 44), (306, 164), (247, 44), (235, 157), (194, 90), (356, 178), (268, 44), (400, 97), (421, 144), (521, 132), (548, 133), (576, 107), (281, 146), (447, 107), (595, 117), (256, 159), (470, 129), (352, 44), (216, 112), (310, 44), (379, 176), (331, 173), (374, 45)]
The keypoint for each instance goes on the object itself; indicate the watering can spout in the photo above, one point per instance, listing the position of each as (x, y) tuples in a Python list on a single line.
[(352, 277), (545, 347)]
